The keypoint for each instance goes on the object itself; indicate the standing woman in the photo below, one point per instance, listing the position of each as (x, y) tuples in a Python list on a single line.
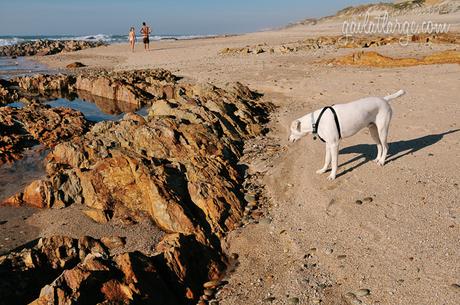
[(132, 38)]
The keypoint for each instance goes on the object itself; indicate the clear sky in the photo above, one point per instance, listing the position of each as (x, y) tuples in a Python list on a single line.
[(85, 17)]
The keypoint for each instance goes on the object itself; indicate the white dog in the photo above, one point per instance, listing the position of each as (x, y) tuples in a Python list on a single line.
[(345, 120)]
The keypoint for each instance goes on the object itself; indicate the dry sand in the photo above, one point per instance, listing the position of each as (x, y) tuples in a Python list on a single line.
[(317, 244)]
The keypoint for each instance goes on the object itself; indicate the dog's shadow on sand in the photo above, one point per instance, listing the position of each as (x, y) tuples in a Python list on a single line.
[(396, 150)]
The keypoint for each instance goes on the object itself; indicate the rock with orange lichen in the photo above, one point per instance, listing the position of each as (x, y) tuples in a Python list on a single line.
[(374, 59)]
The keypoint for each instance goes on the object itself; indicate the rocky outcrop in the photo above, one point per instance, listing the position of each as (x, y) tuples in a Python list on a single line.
[(344, 42), (374, 59), (34, 124), (47, 47), (44, 83), (177, 166), (130, 88), (62, 270), (8, 94)]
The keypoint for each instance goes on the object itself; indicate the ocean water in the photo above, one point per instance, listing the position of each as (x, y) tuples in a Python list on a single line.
[(113, 38)]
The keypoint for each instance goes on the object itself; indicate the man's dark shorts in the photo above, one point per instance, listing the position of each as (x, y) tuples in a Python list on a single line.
[(146, 40)]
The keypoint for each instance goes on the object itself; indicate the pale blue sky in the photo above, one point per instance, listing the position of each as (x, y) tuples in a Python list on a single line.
[(84, 17)]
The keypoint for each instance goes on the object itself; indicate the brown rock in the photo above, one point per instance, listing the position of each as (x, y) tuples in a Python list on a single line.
[(37, 194), (75, 65)]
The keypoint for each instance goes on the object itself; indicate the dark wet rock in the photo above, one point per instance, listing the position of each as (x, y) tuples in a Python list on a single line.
[(47, 47)]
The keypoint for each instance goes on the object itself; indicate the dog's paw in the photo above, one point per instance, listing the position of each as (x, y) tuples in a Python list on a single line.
[(321, 171), (381, 163), (331, 177), (376, 160)]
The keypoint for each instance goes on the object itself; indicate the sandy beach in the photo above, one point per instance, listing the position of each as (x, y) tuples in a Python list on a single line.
[(375, 235)]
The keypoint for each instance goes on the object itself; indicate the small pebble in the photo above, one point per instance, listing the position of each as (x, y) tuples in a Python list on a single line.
[(293, 301), (265, 221), (212, 284), (358, 202), (341, 256), (350, 295), (208, 292), (249, 198), (362, 292), (329, 251), (368, 199), (269, 299)]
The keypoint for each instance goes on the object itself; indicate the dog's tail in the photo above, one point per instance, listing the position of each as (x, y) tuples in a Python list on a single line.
[(394, 95)]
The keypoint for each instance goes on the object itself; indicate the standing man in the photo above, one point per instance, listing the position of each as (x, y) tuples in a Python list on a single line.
[(145, 31)]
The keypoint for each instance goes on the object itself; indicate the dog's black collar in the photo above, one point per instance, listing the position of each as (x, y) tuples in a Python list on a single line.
[(315, 125)]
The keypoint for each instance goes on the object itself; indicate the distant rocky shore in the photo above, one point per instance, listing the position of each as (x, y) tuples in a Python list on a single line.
[(47, 47), (177, 166), (350, 42)]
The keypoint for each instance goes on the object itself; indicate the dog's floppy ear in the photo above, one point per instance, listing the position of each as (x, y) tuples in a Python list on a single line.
[(298, 125)]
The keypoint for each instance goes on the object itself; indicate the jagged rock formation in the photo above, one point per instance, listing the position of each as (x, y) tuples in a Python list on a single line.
[(374, 59), (137, 88), (344, 42), (62, 270), (47, 47), (34, 124), (177, 166)]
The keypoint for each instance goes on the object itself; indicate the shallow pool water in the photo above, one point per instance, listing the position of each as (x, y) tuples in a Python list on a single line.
[(17, 175), (11, 67), (101, 110)]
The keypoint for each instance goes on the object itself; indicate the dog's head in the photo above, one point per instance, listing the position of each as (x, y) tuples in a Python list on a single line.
[(297, 131)]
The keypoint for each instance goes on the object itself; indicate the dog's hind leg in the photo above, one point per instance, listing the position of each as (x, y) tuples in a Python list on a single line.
[(327, 161), (334, 149), (383, 135), (375, 136)]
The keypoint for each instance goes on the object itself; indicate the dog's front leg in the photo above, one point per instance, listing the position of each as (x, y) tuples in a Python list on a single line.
[(327, 161), (334, 149)]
